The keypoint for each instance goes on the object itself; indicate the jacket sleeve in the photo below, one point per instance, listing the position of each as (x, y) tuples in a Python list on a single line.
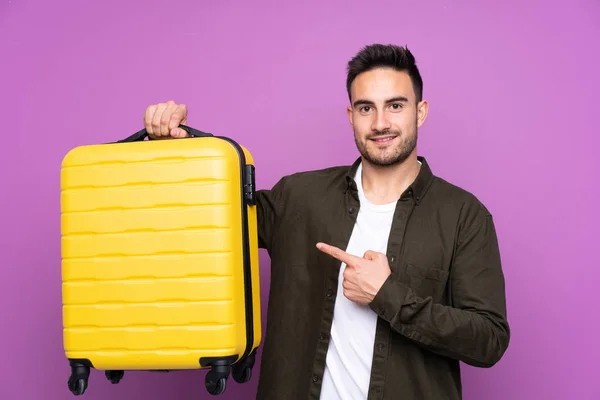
[(268, 212), (474, 329)]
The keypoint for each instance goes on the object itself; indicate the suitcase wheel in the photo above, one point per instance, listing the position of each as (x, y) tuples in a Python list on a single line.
[(216, 378), (242, 370), (241, 375), (78, 387), (78, 381), (215, 386), (114, 376)]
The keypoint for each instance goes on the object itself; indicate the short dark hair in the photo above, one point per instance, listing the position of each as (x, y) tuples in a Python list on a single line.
[(386, 56)]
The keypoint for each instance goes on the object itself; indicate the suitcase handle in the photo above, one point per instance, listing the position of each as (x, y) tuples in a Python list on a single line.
[(141, 135)]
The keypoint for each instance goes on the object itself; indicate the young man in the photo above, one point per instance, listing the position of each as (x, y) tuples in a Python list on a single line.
[(383, 276)]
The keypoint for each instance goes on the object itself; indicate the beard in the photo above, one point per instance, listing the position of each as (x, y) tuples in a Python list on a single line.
[(384, 157)]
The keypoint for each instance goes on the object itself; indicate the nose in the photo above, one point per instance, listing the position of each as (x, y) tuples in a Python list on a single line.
[(381, 122)]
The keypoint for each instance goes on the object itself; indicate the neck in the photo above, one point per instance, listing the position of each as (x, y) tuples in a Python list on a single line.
[(385, 184)]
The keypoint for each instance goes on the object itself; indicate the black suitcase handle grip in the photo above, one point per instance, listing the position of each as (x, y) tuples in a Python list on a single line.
[(142, 134)]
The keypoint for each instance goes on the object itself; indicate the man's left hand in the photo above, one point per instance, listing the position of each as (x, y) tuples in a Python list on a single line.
[(363, 276)]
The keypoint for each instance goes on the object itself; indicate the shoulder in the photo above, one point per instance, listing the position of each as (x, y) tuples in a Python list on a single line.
[(313, 181), (468, 209), (457, 196), (300, 189)]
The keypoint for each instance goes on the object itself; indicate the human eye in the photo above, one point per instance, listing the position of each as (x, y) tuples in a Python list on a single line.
[(365, 109), (396, 106)]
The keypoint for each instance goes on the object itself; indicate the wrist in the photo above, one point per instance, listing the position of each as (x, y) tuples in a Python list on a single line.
[(391, 296)]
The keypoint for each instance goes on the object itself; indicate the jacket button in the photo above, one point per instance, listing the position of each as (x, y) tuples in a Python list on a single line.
[(315, 378), (351, 210), (392, 259), (380, 346), (329, 294), (323, 337)]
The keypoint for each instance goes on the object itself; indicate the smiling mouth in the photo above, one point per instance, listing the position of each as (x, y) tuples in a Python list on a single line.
[(383, 139)]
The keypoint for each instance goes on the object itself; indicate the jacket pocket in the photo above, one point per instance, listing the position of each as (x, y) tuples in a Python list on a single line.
[(427, 281)]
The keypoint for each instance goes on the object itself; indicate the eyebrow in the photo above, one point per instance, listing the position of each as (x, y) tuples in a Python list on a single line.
[(370, 103)]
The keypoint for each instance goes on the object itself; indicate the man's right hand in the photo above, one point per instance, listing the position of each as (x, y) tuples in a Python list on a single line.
[(162, 120)]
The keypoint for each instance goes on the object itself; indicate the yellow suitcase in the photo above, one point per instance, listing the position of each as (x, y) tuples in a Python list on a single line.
[(160, 258)]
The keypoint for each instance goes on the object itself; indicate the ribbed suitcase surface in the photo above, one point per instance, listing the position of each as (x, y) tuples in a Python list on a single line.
[(153, 255)]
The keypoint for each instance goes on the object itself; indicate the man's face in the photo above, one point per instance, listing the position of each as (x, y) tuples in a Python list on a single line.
[(385, 116)]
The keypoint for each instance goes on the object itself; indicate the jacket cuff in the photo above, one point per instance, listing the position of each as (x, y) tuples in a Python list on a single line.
[(390, 298)]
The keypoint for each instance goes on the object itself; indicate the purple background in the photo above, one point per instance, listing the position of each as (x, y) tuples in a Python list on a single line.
[(514, 96)]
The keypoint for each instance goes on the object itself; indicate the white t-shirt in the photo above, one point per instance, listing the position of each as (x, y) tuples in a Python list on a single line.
[(348, 364)]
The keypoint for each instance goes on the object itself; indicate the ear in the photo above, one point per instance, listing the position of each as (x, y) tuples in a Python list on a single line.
[(422, 110), (350, 113)]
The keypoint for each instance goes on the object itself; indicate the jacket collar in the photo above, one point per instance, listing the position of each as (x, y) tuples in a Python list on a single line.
[(416, 190)]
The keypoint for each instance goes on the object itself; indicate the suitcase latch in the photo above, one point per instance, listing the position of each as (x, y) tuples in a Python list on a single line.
[(249, 185)]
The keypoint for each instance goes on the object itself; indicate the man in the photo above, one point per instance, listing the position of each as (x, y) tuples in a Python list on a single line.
[(384, 276)]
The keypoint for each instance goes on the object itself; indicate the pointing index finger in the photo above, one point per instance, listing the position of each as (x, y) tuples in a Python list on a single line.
[(338, 253)]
